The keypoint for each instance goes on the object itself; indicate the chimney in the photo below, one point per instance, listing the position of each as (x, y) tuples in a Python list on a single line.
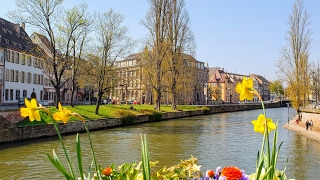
[(23, 25), (17, 27), (222, 69)]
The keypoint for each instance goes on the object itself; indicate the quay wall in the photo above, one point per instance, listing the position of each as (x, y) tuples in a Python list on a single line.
[(11, 132)]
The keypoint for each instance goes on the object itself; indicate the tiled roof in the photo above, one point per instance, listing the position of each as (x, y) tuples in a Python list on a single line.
[(45, 40), (138, 55), (14, 37)]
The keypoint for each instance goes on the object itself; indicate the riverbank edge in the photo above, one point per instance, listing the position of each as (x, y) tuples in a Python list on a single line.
[(301, 129), (11, 133)]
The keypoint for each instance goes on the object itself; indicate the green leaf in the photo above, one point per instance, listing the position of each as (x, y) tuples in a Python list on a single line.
[(145, 158), (56, 162), (79, 157)]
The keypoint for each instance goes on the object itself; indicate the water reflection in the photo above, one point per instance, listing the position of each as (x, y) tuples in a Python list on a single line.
[(216, 140)]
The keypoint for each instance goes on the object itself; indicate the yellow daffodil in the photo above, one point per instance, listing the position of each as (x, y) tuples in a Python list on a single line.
[(259, 124), (245, 89), (31, 110), (63, 114)]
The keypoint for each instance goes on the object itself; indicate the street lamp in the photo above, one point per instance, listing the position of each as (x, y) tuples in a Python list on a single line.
[(288, 112), (206, 84)]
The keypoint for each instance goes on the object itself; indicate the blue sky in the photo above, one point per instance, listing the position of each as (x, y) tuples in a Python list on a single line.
[(242, 36)]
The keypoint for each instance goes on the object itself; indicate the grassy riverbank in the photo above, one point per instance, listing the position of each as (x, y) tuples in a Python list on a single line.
[(108, 111)]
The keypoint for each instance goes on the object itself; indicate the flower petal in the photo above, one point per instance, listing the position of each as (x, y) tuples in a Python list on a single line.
[(37, 115)]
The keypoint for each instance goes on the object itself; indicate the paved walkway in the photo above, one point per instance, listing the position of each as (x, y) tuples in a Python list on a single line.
[(301, 129)]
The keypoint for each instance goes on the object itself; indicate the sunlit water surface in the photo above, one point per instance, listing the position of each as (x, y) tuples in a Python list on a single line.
[(216, 140)]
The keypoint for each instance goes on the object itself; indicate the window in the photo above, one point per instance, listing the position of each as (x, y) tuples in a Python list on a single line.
[(34, 78), (17, 58), (6, 94), (22, 76), (8, 56), (12, 56), (11, 75), (38, 78), (17, 76), (23, 59), (1, 56), (11, 94), (24, 93), (35, 62), (41, 79), (41, 95), (1, 74), (29, 61), (7, 75), (17, 94), (29, 77), (41, 63)]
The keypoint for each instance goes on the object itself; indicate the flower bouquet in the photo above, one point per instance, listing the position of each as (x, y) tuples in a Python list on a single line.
[(187, 169)]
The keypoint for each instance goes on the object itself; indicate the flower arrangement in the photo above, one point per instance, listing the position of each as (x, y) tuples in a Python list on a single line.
[(187, 169)]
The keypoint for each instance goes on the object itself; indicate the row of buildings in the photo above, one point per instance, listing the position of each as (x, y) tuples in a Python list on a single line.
[(21, 73)]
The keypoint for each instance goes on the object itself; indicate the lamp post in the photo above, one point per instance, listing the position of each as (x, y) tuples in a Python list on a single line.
[(206, 84), (288, 113)]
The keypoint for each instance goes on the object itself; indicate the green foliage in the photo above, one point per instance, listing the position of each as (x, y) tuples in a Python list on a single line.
[(45, 119), (124, 172), (127, 117), (186, 169), (155, 116), (206, 110), (276, 87)]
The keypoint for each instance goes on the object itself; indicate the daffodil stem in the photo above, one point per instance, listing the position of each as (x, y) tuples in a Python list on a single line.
[(265, 138), (63, 147), (92, 151)]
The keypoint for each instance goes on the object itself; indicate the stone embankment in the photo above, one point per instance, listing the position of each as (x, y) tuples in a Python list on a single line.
[(10, 132), (313, 133)]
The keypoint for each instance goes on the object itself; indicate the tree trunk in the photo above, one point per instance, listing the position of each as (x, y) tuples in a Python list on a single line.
[(58, 97), (158, 101), (98, 102)]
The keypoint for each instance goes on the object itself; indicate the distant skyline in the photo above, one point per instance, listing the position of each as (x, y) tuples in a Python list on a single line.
[(241, 36)]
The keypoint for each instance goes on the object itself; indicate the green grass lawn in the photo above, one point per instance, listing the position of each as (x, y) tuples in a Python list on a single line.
[(107, 111)]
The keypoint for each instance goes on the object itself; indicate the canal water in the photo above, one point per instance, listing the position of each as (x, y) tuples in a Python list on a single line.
[(225, 139)]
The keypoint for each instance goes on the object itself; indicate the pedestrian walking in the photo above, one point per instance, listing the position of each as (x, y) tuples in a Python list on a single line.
[(307, 125), (310, 125)]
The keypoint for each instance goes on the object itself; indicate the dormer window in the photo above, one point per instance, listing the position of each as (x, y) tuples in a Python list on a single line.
[(7, 41), (18, 35), (10, 32), (2, 21)]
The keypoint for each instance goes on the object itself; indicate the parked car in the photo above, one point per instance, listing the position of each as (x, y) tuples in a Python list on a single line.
[(136, 102), (21, 101), (130, 102), (43, 102), (85, 102)]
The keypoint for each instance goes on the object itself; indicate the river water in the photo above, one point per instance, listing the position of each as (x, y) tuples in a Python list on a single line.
[(225, 139)]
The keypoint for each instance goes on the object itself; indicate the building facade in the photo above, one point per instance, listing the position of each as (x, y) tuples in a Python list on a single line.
[(222, 86), (133, 85), (20, 64)]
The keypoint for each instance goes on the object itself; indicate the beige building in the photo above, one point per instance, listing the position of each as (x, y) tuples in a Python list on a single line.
[(222, 86), (133, 86)]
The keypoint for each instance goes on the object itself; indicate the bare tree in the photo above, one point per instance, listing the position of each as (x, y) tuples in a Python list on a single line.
[(315, 80), (73, 35), (181, 40), (293, 63), (112, 43), (156, 23), (45, 15)]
